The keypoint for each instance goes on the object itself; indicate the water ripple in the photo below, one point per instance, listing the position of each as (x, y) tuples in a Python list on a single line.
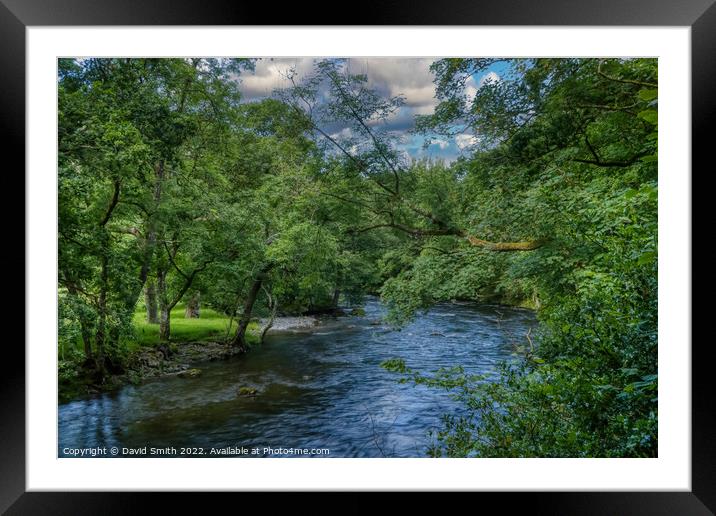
[(324, 389)]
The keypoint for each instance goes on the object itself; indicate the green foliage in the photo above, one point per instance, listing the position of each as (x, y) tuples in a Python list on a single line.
[(165, 177), (394, 365), (569, 154)]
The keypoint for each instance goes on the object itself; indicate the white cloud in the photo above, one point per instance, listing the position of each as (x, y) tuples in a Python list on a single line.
[(470, 88), (344, 133), (410, 77), (443, 144), (471, 85), (389, 77), (489, 78), (465, 141), (270, 74)]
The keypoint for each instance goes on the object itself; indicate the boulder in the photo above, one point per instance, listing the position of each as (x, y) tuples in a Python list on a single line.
[(247, 391), (190, 373)]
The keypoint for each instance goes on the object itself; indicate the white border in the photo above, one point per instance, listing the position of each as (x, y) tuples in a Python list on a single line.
[(672, 470)]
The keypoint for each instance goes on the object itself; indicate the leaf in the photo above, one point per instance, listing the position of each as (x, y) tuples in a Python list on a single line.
[(606, 388), (648, 94), (649, 115), (394, 365), (646, 258)]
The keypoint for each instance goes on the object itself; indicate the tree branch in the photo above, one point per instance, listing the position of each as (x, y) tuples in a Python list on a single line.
[(187, 283), (171, 255), (525, 245), (611, 163), (128, 231), (626, 109), (112, 204), (360, 163), (625, 81), (378, 145)]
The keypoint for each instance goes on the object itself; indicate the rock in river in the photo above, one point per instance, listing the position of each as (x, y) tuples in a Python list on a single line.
[(190, 373), (247, 391)]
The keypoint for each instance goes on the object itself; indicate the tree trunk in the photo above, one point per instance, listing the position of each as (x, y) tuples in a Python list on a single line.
[(164, 308), (164, 325), (112, 363), (192, 306), (150, 300), (86, 341), (336, 297), (150, 293), (273, 305), (240, 337), (84, 326), (100, 335)]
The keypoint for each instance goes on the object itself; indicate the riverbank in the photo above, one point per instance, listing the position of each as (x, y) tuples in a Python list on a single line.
[(320, 386), (194, 341), (148, 361), (152, 363)]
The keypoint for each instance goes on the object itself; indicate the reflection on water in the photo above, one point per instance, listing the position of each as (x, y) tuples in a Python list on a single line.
[(319, 390)]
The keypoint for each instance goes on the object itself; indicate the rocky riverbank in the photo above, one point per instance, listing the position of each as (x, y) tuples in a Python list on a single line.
[(291, 324), (177, 359), (153, 363)]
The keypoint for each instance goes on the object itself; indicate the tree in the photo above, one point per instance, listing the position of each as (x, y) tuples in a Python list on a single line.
[(370, 154), (168, 185), (568, 146), (192, 310), (124, 125)]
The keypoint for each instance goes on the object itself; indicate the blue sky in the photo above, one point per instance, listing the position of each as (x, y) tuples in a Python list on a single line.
[(410, 77)]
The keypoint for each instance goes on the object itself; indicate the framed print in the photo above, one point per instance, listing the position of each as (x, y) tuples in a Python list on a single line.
[(437, 250)]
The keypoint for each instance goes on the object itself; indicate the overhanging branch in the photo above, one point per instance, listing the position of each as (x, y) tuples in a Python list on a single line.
[(523, 245)]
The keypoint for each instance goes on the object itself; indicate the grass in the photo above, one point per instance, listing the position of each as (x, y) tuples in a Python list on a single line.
[(211, 325)]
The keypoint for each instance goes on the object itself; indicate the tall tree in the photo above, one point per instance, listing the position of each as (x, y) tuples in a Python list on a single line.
[(334, 96), (124, 125)]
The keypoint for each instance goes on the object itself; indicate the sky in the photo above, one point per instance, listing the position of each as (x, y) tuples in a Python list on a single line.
[(390, 77)]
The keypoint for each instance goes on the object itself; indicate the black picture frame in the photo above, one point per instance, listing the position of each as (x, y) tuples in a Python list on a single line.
[(17, 15)]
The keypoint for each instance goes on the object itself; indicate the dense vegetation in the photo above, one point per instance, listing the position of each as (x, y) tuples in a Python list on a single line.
[(172, 192)]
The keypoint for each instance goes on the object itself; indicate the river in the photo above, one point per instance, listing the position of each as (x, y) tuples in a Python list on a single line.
[(321, 390)]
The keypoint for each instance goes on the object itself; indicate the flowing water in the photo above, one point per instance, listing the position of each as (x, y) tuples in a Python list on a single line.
[(319, 390)]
